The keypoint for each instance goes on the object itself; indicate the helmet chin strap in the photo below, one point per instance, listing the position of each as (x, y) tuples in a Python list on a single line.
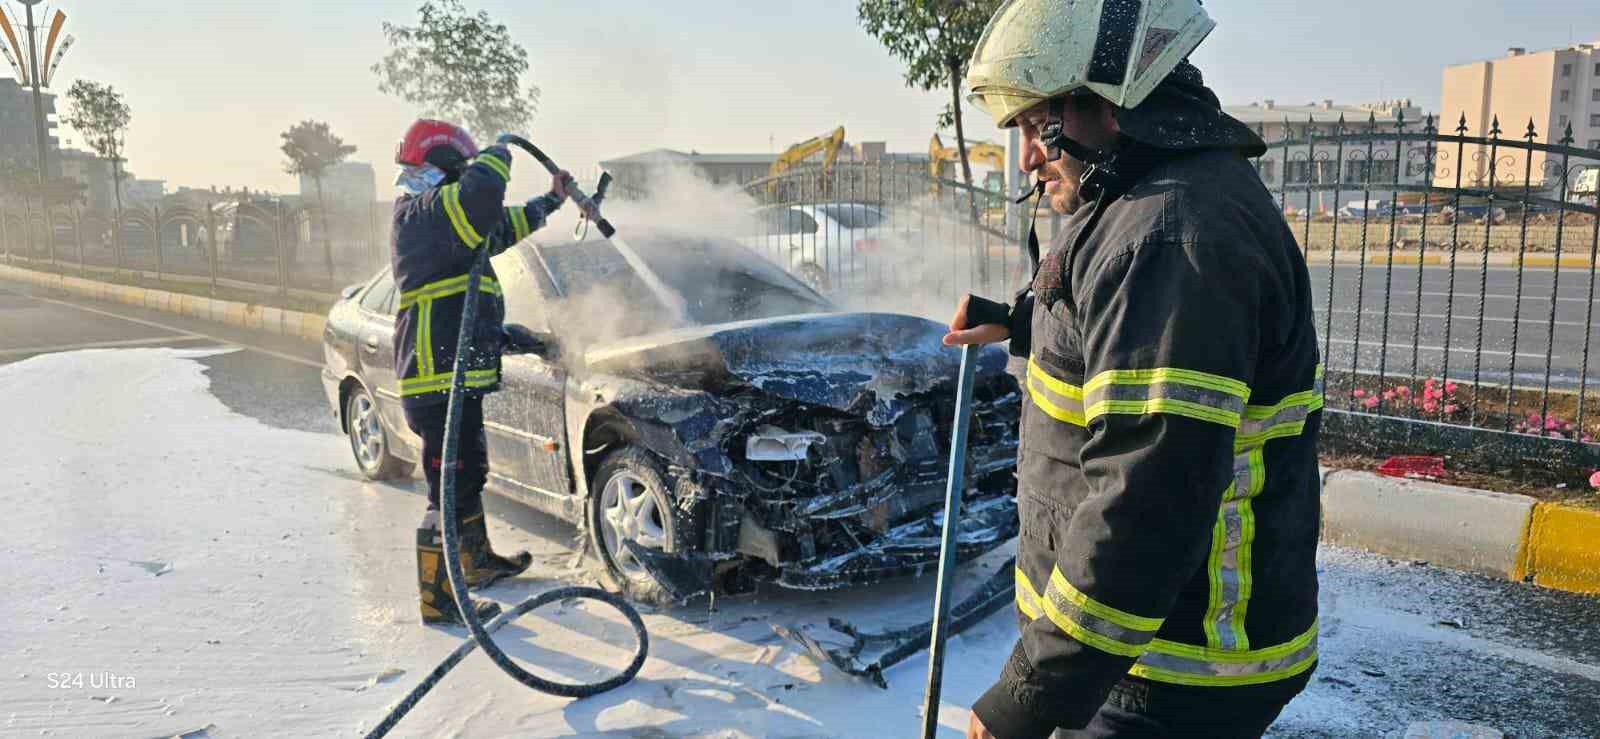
[(1101, 170)]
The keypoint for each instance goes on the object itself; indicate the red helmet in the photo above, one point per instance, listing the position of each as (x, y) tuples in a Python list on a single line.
[(444, 145)]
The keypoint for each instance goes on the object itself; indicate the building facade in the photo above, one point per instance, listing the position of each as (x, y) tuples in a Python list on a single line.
[(345, 186), (1553, 88), (1296, 158), (17, 137)]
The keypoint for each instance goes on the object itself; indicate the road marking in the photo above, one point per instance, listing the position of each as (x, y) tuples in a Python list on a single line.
[(1436, 317), (1396, 346), (100, 345), (175, 329)]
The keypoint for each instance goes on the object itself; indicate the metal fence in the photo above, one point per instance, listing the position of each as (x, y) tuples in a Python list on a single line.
[(1455, 273), (1454, 303), (886, 229), (260, 246)]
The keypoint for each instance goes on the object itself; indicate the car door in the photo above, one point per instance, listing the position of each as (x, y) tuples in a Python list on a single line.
[(376, 348), (526, 421)]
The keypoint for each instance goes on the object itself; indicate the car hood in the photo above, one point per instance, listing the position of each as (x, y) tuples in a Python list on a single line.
[(869, 364)]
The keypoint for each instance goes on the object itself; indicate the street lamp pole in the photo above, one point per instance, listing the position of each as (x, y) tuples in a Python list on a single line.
[(35, 68)]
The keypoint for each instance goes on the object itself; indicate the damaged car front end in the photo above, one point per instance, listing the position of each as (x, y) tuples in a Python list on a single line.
[(811, 450)]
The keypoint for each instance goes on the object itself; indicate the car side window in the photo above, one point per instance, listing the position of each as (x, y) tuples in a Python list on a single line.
[(800, 223), (379, 296)]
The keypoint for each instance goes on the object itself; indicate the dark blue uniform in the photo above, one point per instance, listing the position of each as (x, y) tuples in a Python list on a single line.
[(436, 237)]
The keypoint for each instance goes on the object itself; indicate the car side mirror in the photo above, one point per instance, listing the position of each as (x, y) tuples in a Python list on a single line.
[(350, 291)]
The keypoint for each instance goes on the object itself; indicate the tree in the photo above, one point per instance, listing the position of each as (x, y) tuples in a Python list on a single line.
[(312, 148), (99, 113), (459, 67), (935, 39)]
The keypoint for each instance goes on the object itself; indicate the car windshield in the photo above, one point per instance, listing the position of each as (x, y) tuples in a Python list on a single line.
[(854, 215), (717, 282)]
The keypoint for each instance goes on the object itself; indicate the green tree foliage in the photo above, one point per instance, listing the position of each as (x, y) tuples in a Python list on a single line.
[(99, 113), (459, 67), (934, 38)]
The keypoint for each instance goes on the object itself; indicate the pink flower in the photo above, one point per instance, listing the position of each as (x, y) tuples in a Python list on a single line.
[(1450, 387), (1371, 402), (1388, 395), (1550, 424), (1567, 427), (1594, 480), (1402, 391), (1450, 408), (1535, 421), (1359, 393), (1588, 438), (1430, 382), (1430, 406)]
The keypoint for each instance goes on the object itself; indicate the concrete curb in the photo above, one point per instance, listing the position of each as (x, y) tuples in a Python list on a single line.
[(307, 326), (1509, 536)]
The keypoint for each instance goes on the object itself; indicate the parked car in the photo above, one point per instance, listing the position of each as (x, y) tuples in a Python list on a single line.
[(705, 405), (826, 245)]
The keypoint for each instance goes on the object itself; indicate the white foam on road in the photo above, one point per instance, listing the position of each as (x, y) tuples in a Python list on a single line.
[(196, 568)]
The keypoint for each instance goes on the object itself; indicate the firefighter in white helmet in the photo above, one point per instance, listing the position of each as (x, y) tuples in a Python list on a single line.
[(1168, 481)]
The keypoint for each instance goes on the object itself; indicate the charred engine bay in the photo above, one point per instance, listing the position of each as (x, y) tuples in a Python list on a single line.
[(812, 450)]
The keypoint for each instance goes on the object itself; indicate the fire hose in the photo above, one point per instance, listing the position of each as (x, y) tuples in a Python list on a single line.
[(452, 529)]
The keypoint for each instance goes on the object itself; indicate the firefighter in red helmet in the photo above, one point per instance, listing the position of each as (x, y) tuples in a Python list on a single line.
[(451, 205)]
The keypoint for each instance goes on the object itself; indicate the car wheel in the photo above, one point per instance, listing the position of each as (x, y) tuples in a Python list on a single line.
[(815, 277), (369, 441), (629, 500)]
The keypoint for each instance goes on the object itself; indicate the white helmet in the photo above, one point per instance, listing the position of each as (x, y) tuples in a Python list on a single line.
[(1034, 50)]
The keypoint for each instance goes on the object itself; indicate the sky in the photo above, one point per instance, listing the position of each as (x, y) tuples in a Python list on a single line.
[(212, 84)]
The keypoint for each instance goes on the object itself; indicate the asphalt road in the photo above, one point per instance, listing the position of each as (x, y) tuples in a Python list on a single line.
[(1403, 642), (1479, 318)]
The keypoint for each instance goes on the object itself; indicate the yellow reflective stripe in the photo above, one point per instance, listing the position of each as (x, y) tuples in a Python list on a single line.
[(1058, 582), (495, 164), (1198, 395), (446, 288), (1059, 400), (1286, 418), (1189, 409), (519, 222), (425, 338), (437, 382), (1027, 597), (1228, 566), (451, 194), (1186, 664), (1170, 374)]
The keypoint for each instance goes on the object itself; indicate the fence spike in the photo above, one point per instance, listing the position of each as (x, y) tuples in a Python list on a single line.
[(1494, 130), (1461, 128), (1532, 133), (1567, 139)]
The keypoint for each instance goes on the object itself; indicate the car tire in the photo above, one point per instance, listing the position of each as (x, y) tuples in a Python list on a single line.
[(369, 440), (629, 497)]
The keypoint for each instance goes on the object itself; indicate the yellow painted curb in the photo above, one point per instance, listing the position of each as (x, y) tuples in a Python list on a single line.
[(1562, 549), (235, 314), (1541, 261), (1405, 259), (272, 320), (252, 316)]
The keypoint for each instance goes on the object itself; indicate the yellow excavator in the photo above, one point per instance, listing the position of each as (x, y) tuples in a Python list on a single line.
[(828, 143), (978, 152)]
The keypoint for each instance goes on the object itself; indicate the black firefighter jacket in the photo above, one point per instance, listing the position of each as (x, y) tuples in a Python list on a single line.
[(435, 239), (1168, 479)]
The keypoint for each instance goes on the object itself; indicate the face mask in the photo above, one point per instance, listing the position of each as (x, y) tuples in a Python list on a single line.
[(419, 179)]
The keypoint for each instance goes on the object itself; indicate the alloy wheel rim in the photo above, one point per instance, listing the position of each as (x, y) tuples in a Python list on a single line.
[(629, 511)]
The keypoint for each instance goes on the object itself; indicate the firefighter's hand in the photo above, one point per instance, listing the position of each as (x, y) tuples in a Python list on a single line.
[(962, 334), (560, 185), (976, 729), (522, 340)]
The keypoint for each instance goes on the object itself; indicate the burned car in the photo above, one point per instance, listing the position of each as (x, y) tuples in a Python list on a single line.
[(704, 405)]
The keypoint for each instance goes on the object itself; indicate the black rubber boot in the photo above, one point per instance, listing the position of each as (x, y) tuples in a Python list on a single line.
[(483, 566), (433, 584)]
